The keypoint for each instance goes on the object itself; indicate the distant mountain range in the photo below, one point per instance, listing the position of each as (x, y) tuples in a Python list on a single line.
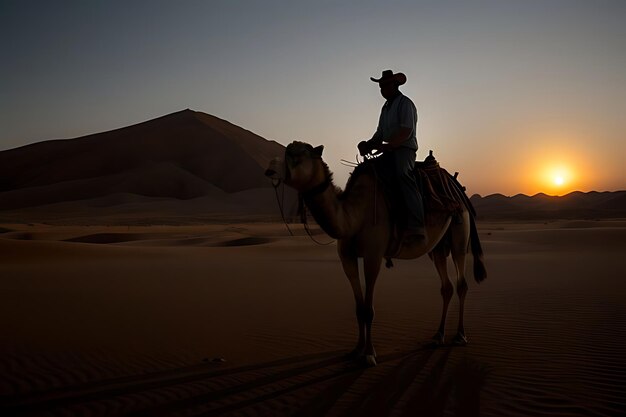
[(576, 205), (189, 166)]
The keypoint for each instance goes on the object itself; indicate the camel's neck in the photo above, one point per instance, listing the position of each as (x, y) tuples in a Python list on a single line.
[(335, 215)]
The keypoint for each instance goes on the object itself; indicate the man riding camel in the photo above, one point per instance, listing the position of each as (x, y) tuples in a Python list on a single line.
[(396, 138)]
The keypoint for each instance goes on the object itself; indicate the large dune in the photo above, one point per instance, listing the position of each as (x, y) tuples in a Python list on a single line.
[(183, 162)]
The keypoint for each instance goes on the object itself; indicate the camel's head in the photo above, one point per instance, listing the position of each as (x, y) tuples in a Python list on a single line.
[(301, 167)]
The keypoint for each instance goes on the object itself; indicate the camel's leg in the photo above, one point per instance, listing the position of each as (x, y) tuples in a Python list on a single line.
[(461, 289), (439, 259), (460, 240), (371, 266), (351, 269)]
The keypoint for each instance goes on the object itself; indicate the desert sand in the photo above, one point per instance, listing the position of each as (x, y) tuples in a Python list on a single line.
[(245, 320)]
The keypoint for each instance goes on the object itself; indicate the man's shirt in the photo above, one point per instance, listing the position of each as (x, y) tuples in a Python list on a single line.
[(396, 113)]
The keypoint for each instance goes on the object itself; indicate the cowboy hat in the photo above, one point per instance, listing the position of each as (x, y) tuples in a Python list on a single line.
[(388, 75)]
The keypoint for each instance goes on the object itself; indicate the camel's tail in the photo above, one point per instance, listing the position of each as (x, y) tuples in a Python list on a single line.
[(480, 272)]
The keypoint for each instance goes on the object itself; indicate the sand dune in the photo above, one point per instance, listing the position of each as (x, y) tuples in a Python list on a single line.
[(182, 156), (246, 320), (205, 146)]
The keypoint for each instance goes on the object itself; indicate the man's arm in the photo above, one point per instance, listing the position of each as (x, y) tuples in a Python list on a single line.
[(376, 142), (377, 138), (396, 140), (399, 137)]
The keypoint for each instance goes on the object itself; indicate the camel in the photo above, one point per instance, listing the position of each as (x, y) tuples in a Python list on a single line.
[(360, 219)]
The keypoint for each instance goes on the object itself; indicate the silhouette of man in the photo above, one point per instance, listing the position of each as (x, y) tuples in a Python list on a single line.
[(396, 138)]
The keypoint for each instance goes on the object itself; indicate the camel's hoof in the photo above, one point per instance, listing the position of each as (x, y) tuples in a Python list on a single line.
[(436, 341), (459, 340), (370, 360)]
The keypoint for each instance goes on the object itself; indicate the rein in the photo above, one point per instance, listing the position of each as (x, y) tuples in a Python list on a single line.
[(307, 195), (302, 207), (281, 205)]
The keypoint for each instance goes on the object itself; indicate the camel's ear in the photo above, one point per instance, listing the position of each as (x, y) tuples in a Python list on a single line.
[(318, 150)]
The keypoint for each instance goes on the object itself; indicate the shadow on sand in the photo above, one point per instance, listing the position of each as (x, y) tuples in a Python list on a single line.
[(419, 382)]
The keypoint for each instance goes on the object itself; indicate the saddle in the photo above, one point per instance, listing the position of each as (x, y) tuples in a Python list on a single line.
[(440, 190)]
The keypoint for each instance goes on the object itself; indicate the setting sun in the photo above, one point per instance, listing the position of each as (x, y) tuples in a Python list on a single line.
[(554, 171), (556, 178), (560, 175), (557, 163)]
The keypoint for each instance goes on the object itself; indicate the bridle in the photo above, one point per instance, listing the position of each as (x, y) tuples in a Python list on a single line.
[(303, 197)]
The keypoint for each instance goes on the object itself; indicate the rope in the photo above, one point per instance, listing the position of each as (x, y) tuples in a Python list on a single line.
[(281, 205), (308, 230), (276, 184), (348, 163)]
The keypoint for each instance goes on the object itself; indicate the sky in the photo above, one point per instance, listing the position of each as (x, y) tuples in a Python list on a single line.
[(517, 96)]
